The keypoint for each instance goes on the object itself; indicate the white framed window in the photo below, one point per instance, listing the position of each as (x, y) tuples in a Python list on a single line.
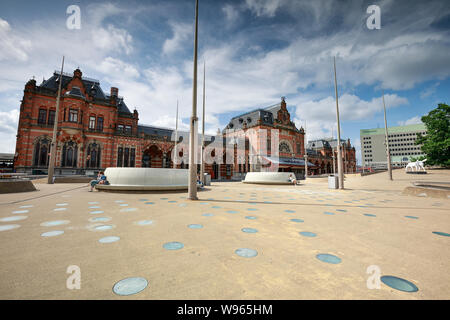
[(92, 122)]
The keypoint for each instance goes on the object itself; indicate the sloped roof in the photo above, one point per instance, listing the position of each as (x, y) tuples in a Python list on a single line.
[(92, 86), (265, 115)]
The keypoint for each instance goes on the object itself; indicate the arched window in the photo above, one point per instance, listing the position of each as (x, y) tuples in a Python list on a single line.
[(93, 156), (41, 152), (69, 155), (146, 160), (284, 147)]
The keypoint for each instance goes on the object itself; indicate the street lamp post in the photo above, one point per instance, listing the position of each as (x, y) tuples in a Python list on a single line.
[(51, 165), (192, 189)]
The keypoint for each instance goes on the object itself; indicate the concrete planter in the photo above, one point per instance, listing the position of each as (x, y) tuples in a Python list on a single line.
[(15, 186), (268, 177)]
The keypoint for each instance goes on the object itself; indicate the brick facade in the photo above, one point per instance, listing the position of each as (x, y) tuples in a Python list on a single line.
[(97, 130)]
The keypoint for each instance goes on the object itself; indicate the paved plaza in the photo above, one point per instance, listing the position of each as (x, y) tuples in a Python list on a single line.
[(239, 241)]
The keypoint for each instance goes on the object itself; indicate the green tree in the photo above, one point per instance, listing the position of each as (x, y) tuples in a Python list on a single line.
[(436, 143)]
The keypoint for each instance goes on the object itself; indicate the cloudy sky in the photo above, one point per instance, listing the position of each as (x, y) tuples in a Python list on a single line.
[(255, 51)]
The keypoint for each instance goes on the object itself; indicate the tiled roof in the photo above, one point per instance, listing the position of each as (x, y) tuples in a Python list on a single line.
[(92, 86), (264, 115)]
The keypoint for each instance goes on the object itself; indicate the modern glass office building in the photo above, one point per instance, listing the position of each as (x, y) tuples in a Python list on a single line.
[(402, 145)]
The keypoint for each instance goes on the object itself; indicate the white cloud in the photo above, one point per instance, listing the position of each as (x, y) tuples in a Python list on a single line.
[(12, 47), (231, 13), (112, 39), (264, 7), (8, 121), (320, 115), (113, 66), (429, 91), (181, 33), (413, 120)]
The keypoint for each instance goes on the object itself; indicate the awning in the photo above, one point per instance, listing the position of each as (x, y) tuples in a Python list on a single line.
[(289, 162)]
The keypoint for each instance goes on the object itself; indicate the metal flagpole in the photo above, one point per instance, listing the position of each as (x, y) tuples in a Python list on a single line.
[(387, 142), (340, 173), (305, 141), (175, 154), (332, 149), (51, 165), (202, 168), (192, 189)]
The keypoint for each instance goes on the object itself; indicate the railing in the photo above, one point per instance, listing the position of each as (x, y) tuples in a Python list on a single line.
[(71, 75)]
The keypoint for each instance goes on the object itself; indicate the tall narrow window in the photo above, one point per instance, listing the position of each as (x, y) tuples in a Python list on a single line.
[(42, 118), (132, 157), (93, 156), (126, 155), (128, 129), (269, 145), (73, 115), (120, 157), (92, 122), (120, 128), (51, 117), (100, 123), (41, 153), (69, 155)]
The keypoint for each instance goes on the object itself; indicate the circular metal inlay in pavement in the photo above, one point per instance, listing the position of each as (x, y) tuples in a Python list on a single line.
[(308, 234), (328, 258), (103, 227), (173, 245), (441, 233), (9, 227), (246, 253), (129, 286), (52, 233), (13, 218), (54, 223), (109, 239), (399, 284), (195, 226)]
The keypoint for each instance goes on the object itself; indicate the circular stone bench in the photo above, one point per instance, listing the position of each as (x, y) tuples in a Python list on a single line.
[(145, 179), (268, 177)]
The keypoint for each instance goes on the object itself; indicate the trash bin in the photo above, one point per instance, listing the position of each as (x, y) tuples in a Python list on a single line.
[(207, 179), (333, 182)]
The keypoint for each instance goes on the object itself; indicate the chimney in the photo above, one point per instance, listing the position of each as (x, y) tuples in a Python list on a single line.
[(114, 95), (114, 92)]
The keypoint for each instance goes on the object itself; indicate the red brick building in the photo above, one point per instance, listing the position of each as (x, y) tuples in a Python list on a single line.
[(271, 129), (97, 130), (320, 153)]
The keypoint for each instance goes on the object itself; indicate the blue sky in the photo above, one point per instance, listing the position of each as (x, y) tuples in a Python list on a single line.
[(255, 51)]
